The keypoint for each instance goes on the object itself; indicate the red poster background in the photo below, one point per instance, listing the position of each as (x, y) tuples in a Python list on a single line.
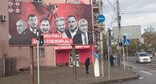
[(41, 9)]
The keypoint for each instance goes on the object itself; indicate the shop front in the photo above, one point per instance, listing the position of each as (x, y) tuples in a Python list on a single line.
[(64, 55)]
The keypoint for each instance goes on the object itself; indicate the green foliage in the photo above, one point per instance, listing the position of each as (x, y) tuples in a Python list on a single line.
[(133, 47), (149, 37)]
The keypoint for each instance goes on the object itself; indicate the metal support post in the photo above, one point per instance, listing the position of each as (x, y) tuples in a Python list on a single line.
[(124, 57), (38, 61), (74, 63), (32, 65), (108, 62), (127, 56)]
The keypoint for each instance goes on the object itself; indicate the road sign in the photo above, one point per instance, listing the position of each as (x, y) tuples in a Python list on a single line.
[(126, 42), (101, 18)]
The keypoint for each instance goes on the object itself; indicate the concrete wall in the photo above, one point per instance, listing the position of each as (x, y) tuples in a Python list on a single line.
[(21, 53), (4, 29), (49, 60)]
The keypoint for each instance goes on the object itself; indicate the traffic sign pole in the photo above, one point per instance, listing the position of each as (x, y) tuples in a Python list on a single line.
[(101, 18), (127, 56), (123, 57)]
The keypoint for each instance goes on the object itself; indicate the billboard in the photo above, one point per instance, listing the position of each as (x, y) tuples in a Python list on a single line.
[(131, 32), (71, 22)]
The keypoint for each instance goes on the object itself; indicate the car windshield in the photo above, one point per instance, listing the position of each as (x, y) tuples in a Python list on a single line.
[(149, 52), (143, 54)]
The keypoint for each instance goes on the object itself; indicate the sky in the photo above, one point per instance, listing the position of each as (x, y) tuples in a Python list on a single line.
[(133, 12)]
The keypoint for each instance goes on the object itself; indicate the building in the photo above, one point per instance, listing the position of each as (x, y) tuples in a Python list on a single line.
[(51, 55), (131, 32)]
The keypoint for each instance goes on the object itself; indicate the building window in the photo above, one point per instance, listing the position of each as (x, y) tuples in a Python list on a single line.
[(41, 52), (37, 0)]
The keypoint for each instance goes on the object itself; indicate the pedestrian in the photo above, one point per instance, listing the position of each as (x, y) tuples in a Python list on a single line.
[(112, 60), (87, 62)]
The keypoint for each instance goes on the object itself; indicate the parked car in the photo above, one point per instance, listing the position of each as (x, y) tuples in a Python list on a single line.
[(143, 57)]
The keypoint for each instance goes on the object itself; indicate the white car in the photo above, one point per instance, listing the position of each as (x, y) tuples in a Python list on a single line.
[(150, 55), (143, 57)]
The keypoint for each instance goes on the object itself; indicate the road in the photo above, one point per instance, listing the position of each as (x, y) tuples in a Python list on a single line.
[(147, 72)]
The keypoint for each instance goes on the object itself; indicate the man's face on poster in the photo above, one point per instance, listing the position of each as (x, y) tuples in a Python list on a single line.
[(60, 25), (33, 22), (72, 23), (21, 26), (83, 26), (45, 26)]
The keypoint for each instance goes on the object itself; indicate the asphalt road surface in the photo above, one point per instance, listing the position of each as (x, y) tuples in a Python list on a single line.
[(147, 72)]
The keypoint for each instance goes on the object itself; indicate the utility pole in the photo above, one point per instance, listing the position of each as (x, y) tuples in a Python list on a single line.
[(109, 45), (101, 42), (119, 30)]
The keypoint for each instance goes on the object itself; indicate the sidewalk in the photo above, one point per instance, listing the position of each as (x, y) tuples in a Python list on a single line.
[(64, 75)]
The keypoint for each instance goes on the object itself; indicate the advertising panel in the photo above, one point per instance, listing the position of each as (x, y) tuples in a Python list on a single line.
[(72, 21)]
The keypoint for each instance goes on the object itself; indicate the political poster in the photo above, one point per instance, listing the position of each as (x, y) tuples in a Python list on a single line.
[(72, 21)]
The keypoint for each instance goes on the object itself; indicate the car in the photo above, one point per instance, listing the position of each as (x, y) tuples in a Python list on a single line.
[(143, 57), (150, 54)]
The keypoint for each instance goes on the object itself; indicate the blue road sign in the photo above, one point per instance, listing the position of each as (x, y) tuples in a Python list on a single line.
[(101, 18), (126, 42)]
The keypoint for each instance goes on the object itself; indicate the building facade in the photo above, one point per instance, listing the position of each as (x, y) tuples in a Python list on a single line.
[(57, 51)]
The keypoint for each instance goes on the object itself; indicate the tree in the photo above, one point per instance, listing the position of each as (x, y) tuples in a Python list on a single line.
[(149, 29), (149, 37), (133, 48)]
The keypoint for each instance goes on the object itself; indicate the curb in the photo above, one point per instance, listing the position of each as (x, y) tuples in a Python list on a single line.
[(119, 80), (115, 80)]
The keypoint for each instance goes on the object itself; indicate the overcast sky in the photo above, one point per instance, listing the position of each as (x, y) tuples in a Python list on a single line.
[(133, 12)]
